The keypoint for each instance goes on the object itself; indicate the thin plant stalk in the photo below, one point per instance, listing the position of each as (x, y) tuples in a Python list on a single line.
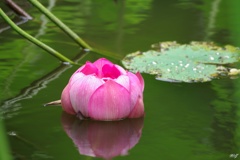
[(69, 32), (60, 24), (34, 40), (5, 152), (17, 9)]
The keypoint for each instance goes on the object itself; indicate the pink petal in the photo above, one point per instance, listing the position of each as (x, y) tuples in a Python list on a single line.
[(110, 71), (65, 100), (124, 81), (76, 77), (138, 110), (79, 69), (140, 79), (135, 88), (101, 62), (81, 91), (89, 69), (121, 70), (110, 101)]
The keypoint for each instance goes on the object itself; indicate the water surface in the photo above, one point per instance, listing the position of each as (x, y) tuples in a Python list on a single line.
[(183, 121)]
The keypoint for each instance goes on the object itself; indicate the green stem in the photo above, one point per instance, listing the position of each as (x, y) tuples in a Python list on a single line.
[(5, 152), (34, 40), (60, 24)]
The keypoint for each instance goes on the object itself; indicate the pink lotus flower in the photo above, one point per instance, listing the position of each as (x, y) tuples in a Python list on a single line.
[(103, 139), (104, 91)]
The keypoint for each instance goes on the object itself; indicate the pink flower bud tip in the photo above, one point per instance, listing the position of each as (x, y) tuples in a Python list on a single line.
[(104, 91)]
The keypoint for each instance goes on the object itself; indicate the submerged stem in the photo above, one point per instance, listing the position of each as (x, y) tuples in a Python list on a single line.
[(34, 40), (17, 9)]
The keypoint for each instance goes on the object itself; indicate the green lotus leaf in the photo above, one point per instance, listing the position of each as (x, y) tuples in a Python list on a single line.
[(194, 62)]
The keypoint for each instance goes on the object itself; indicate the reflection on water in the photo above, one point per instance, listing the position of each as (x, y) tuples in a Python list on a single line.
[(179, 122), (103, 139), (225, 119), (120, 15)]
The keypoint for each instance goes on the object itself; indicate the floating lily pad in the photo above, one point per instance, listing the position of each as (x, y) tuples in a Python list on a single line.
[(194, 62)]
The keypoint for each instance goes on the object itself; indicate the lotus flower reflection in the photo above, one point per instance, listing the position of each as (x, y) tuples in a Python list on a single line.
[(104, 91), (103, 139)]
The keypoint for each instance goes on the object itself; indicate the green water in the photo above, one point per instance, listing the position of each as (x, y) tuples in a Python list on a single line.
[(183, 121)]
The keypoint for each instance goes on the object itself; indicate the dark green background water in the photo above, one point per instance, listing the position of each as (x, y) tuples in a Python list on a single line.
[(183, 121)]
